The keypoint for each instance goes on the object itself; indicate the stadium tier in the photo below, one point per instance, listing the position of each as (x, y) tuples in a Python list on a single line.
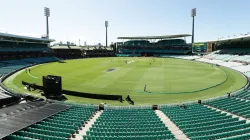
[(65, 51), (137, 43), (244, 94), (128, 124), (16, 47), (140, 46), (199, 122), (9, 66), (233, 61), (171, 42), (99, 51), (234, 105), (196, 121)]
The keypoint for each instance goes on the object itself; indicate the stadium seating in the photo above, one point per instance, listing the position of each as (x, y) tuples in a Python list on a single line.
[(171, 42), (128, 124), (57, 127), (9, 66), (199, 122), (171, 46), (137, 43), (239, 137), (234, 50), (235, 58), (225, 60), (23, 47), (187, 57), (233, 105), (244, 94), (154, 51)]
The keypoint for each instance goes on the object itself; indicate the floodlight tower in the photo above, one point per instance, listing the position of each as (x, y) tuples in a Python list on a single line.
[(106, 25), (193, 14), (47, 15)]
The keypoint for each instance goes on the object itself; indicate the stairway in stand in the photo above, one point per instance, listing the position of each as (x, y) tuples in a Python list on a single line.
[(175, 130)]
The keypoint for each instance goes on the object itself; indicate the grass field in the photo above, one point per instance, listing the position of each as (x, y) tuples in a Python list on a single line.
[(166, 79)]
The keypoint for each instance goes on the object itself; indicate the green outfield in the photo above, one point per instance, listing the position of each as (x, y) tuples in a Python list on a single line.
[(167, 80)]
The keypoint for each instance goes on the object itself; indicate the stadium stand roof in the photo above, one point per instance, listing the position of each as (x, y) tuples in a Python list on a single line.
[(19, 116), (6, 35), (156, 37), (230, 39), (65, 47), (234, 39)]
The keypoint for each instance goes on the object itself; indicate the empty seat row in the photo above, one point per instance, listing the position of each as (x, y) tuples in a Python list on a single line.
[(129, 124), (200, 122), (233, 105)]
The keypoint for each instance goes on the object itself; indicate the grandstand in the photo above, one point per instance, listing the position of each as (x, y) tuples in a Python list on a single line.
[(67, 51), (141, 46), (98, 51), (16, 47), (72, 51)]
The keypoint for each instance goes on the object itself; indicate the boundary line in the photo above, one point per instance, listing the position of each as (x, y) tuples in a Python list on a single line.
[(160, 105)]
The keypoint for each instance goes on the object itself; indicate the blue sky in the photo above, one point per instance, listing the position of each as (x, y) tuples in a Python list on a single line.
[(84, 19)]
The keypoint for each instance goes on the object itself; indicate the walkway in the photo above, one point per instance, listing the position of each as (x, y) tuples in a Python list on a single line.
[(179, 135), (88, 125)]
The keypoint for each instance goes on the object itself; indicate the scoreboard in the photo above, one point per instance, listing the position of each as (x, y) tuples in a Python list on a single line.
[(202, 47)]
